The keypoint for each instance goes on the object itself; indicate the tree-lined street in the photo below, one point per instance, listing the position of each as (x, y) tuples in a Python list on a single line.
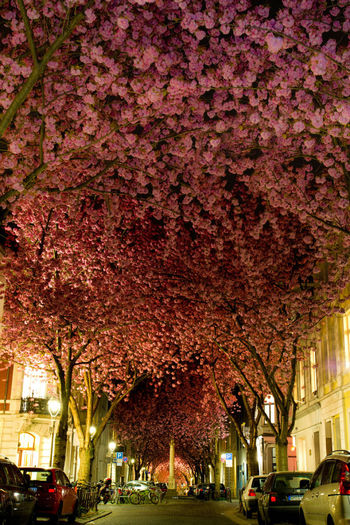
[(175, 218)]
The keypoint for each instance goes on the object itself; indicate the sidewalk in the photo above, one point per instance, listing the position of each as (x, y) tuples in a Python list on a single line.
[(236, 516), (92, 516)]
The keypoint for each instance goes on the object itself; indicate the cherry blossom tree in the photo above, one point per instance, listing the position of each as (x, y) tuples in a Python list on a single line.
[(171, 103), (186, 411), (64, 306)]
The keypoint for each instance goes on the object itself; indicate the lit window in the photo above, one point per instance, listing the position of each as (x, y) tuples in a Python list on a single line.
[(313, 371), (302, 380), (34, 383), (346, 324)]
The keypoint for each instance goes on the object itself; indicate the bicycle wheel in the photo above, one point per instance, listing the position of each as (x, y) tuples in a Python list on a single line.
[(154, 498), (135, 498)]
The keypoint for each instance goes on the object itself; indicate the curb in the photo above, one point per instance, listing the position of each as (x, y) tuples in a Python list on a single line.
[(92, 517)]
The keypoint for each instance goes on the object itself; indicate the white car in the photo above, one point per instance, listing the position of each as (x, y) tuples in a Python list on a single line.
[(249, 495), (327, 502), (141, 485)]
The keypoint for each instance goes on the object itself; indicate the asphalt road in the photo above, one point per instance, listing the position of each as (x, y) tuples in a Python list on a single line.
[(170, 512)]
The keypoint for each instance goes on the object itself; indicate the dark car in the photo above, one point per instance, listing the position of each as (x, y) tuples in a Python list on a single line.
[(207, 491), (222, 493), (55, 494), (281, 495), (191, 491), (17, 501)]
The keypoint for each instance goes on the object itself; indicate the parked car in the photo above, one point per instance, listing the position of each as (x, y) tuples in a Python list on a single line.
[(281, 495), (142, 485), (55, 494), (207, 490), (17, 501), (212, 490), (328, 500), (191, 490), (249, 499)]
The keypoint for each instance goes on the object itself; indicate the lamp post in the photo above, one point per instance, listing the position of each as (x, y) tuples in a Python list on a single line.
[(54, 407), (132, 461), (112, 446)]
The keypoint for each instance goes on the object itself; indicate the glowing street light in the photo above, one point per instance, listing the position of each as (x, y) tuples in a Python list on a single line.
[(54, 407), (92, 431)]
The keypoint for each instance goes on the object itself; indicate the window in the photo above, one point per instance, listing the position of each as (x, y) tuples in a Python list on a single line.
[(346, 327), (269, 407), (337, 433), (313, 371), (337, 471), (329, 440), (34, 383), (327, 472), (302, 380), (27, 455), (316, 478)]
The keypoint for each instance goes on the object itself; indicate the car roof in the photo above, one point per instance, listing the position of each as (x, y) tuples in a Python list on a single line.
[(343, 455)]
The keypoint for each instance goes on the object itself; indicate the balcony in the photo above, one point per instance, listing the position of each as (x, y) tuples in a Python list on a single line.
[(34, 405)]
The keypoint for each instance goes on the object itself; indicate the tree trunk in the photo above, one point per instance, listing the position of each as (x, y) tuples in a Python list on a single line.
[(281, 453), (86, 456), (252, 460), (61, 435), (217, 465)]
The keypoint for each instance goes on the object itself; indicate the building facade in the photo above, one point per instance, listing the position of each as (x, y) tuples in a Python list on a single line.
[(323, 394), (27, 430)]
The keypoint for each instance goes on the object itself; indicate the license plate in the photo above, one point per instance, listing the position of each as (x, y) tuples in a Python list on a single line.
[(296, 497)]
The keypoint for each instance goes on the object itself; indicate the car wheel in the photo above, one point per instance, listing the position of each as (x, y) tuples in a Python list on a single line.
[(72, 517), (260, 520), (56, 518), (32, 519), (302, 518)]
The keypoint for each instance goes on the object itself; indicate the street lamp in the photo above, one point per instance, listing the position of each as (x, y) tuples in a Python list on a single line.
[(54, 407), (112, 446), (92, 431)]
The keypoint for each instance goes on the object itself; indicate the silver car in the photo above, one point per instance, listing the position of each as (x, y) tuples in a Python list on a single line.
[(327, 502), (249, 495)]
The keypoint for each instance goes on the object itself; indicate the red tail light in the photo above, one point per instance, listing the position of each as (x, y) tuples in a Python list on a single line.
[(52, 490), (251, 492), (273, 497), (344, 486)]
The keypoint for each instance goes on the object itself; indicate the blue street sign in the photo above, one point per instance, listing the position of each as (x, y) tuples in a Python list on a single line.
[(119, 455), (125, 459), (229, 456)]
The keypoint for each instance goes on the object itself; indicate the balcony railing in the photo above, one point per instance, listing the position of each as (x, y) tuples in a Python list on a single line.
[(34, 405)]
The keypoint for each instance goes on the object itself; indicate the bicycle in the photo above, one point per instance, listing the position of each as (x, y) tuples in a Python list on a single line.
[(127, 496), (149, 496)]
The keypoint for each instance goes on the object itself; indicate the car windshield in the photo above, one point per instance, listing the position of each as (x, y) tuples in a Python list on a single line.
[(39, 475), (292, 482)]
